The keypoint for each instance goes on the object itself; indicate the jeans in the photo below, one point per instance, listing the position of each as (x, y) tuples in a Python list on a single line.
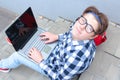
[(16, 60)]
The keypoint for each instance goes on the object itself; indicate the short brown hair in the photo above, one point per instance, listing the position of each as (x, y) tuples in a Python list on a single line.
[(103, 18)]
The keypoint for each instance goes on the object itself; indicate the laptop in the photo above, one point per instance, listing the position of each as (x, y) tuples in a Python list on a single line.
[(24, 34)]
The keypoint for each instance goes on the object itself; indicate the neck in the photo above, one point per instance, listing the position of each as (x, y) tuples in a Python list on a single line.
[(75, 38)]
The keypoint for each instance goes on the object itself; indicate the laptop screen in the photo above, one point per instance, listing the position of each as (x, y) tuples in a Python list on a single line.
[(22, 29)]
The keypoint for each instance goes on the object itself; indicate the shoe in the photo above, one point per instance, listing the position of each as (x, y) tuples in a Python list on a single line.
[(5, 70)]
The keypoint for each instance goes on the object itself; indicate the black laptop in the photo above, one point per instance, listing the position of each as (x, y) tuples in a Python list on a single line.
[(24, 34)]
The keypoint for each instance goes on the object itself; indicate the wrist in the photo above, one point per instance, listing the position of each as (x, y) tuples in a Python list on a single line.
[(56, 37), (42, 64), (40, 60)]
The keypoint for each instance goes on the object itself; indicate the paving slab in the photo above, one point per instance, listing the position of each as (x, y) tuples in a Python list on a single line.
[(5, 17), (117, 54), (61, 25), (59, 19), (115, 70), (112, 45), (41, 20)]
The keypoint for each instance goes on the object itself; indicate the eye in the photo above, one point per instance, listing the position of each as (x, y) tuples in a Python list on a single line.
[(89, 29), (82, 20)]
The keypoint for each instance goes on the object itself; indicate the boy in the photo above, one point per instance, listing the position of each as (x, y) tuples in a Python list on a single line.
[(72, 55)]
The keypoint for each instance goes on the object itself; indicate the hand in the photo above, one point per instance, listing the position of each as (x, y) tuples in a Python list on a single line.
[(35, 55), (48, 37)]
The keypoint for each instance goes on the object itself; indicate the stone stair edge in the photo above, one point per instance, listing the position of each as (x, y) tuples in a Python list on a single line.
[(44, 17)]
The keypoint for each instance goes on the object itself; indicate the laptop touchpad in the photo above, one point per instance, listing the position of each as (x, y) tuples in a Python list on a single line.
[(47, 49)]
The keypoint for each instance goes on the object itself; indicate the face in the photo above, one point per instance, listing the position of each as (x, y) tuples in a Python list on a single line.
[(85, 27)]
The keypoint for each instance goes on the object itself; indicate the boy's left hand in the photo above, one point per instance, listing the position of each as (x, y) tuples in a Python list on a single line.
[(35, 55)]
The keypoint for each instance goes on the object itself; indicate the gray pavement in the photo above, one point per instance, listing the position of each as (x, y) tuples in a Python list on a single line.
[(106, 65), (6, 16)]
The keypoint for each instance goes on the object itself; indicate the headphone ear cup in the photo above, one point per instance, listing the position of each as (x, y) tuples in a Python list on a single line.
[(100, 39)]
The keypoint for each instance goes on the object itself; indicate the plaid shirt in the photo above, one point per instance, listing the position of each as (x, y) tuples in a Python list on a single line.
[(69, 58)]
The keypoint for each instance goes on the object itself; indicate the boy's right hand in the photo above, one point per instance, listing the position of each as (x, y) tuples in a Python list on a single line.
[(48, 37)]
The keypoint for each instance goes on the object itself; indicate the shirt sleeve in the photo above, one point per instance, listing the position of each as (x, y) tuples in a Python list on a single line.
[(62, 36), (72, 66)]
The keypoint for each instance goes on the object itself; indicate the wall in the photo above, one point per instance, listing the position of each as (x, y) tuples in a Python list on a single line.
[(69, 9)]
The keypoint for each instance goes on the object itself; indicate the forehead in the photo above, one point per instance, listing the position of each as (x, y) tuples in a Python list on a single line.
[(91, 20)]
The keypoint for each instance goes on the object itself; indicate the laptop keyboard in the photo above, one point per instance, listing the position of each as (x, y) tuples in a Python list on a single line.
[(34, 42)]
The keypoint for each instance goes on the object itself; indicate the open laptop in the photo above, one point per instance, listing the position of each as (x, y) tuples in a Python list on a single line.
[(24, 34)]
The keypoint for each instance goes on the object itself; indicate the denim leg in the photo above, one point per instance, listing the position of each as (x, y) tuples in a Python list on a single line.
[(16, 59)]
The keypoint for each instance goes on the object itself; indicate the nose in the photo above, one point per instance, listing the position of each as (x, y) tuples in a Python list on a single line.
[(82, 27)]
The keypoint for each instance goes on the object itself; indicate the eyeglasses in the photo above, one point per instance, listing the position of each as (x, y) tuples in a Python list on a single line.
[(83, 21)]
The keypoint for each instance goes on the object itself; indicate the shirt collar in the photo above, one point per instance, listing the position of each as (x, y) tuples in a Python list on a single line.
[(76, 42)]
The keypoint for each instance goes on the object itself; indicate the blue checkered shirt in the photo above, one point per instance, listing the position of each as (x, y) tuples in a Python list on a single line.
[(69, 58)]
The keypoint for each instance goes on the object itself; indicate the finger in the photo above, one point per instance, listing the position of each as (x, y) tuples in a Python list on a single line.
[(29, 55), (33, 48), (42, 34), (31, 51), (44, 39), (47, 42)]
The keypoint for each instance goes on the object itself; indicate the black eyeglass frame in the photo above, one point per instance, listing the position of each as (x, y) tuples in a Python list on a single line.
[(86, 24)]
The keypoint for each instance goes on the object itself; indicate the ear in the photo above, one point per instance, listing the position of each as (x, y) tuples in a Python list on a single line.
[(94, 36)]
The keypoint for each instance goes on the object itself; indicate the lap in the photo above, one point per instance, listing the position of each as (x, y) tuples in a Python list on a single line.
[(27, 62)]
